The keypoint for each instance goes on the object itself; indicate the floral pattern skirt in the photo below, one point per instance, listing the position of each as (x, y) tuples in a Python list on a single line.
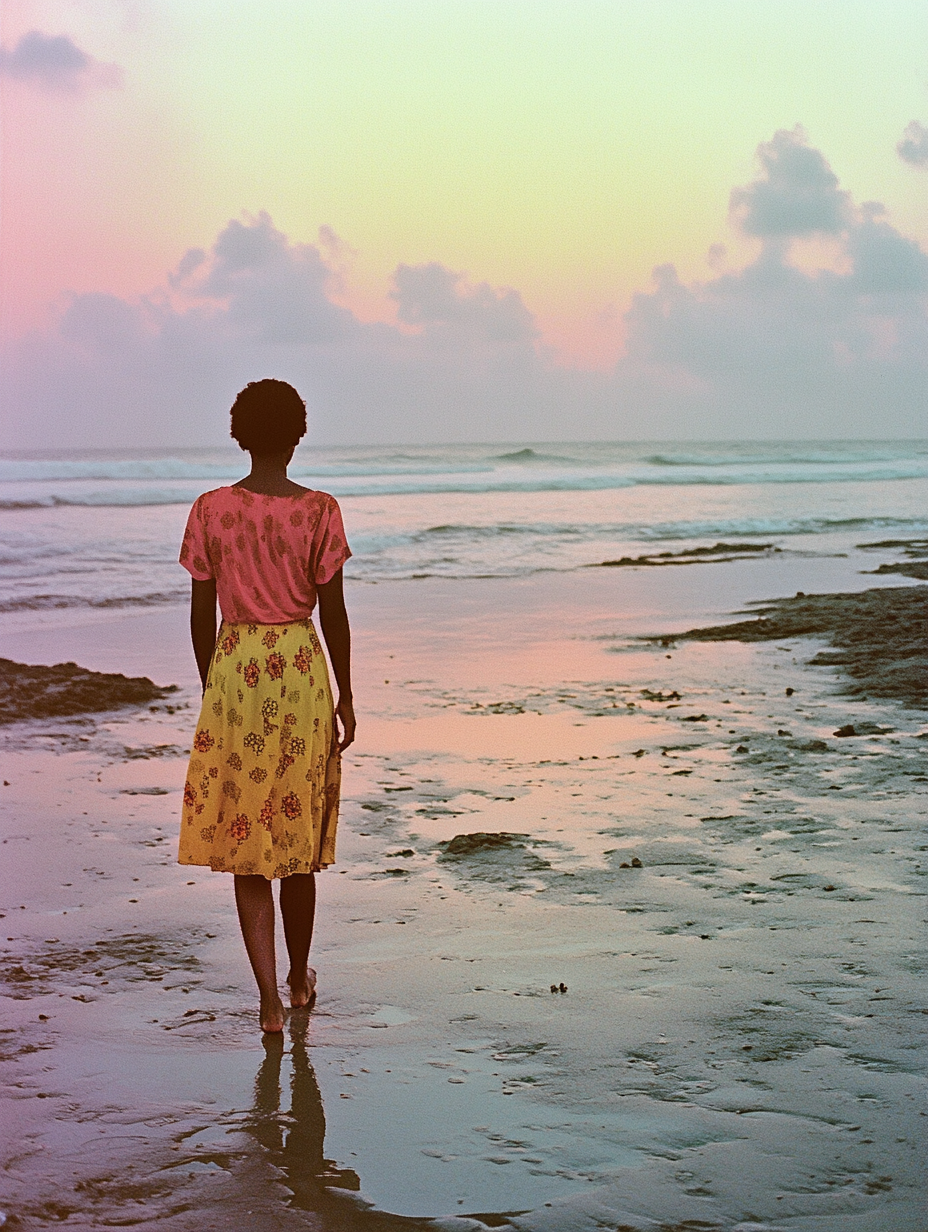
[(263, 783)]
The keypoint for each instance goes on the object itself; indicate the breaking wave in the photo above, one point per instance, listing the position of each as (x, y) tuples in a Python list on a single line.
[(150, 478)]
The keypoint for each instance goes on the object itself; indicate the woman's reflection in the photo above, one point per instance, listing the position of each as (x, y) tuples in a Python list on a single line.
[(295, 1140)]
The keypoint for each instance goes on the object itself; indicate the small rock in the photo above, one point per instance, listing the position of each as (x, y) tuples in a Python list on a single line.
[(554, 987), (742, 748), (479, 843), (790, 692), (624, 864), (636, 863), (847, 730), (828, 888), (562, 987)]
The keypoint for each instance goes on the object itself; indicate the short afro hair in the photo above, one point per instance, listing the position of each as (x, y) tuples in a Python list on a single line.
[(268, 417)]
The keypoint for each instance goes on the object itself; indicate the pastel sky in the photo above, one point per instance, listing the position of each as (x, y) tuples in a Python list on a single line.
[(464, 189)]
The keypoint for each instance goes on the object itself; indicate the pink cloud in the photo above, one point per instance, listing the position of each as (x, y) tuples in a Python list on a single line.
[(767, 350), (55, 63)]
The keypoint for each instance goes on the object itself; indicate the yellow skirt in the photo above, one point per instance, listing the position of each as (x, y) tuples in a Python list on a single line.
[(263, 783)]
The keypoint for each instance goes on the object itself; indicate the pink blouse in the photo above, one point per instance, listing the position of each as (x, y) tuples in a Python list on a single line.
[(267, 553)]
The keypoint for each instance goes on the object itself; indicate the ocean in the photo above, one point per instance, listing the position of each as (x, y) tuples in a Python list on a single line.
[(100, 529)]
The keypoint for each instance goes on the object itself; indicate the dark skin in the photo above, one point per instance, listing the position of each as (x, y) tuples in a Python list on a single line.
[(253, 897)]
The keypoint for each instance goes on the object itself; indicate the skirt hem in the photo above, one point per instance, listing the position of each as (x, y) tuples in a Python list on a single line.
[(277, 875)]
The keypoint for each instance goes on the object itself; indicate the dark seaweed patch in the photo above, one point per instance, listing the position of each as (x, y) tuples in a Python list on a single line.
[(29, 691), (480, 843), (880, 637)]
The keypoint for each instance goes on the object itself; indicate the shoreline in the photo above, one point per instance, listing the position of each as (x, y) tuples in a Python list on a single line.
[(879, 638)]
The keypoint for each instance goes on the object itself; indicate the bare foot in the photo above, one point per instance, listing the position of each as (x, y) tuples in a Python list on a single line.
[(272, 1014), (302, 991)]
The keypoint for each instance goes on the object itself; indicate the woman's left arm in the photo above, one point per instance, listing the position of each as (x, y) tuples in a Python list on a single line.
[(333, 618), (203, 624)]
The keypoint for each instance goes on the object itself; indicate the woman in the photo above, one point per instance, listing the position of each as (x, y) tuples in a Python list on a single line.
[(262, 790)]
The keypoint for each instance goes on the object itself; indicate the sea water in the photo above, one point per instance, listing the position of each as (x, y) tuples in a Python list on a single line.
[(101, 529)]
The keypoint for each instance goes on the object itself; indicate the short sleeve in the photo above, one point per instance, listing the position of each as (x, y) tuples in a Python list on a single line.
[(330, 547), (193, 551)]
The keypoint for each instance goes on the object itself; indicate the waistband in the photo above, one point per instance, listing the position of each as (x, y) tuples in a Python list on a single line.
[(252, 626)]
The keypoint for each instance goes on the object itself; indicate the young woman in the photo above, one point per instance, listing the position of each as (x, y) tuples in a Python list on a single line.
[(261, 797)]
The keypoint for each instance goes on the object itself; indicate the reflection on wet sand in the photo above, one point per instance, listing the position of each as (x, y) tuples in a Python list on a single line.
[(295, 1140)]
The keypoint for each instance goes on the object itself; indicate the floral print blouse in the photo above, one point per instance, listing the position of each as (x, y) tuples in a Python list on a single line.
[(267, 553)]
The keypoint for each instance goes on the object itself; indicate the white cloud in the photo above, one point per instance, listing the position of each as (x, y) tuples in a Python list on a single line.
[(339, 256), (165, 369), (769, 349), (885, 263), (442, 303), (54, 62), (260, 288), (777, 350), (797, 194), (913, 147)]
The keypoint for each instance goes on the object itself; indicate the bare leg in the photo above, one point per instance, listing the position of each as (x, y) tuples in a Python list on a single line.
[(298, 907), (256, 917)]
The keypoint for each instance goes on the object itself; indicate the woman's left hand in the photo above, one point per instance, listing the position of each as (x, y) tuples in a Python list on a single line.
[(344, 712)]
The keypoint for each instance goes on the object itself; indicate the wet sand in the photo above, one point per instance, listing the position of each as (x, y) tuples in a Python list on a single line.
[(741, 1039), (880, 637)]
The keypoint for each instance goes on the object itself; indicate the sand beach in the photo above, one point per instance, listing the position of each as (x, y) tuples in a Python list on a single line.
[(626, 929), (580, 350)]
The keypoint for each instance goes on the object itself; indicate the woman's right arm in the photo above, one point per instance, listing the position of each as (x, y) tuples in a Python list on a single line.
[(203, 624)]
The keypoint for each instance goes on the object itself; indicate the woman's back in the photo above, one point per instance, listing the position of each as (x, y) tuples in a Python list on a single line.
[(267, 553)]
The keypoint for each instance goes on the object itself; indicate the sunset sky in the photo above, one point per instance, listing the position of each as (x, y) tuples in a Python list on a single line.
[(448, 187)]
